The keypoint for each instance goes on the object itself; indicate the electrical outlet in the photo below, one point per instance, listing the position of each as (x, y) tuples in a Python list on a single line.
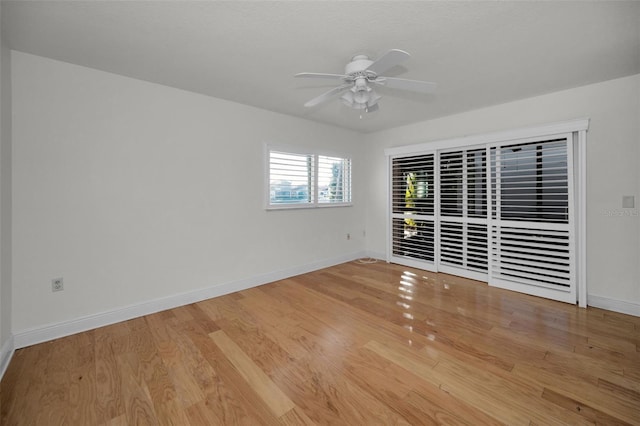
[(57, 284)]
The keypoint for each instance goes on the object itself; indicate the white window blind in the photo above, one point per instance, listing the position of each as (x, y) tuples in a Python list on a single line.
[(307, 180)]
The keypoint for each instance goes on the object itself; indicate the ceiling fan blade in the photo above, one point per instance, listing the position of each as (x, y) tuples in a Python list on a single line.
[(388, 60), (327, 95), (320, 75), (404, 84)]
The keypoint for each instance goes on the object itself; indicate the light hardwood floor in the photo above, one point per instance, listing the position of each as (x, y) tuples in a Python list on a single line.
[(352, 344)]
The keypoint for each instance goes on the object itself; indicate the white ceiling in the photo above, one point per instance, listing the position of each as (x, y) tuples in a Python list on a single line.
[(480, 53)]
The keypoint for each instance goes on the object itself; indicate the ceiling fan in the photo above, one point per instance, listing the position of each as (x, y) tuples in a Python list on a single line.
[(361, 74)]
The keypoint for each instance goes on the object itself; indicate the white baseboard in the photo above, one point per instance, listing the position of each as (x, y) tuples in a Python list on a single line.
[(615, 305), (6, 353), (376, 255), (36, 335)]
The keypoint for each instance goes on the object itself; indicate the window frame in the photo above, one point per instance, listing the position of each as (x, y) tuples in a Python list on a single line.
[(314, 202)]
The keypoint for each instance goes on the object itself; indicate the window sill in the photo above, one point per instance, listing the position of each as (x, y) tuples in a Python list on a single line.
[(306, 206)]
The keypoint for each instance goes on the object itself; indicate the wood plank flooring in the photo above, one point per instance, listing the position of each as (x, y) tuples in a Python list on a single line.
[(353, 344)]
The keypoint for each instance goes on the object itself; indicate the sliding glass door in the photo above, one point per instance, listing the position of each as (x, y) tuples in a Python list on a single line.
[(496, 212)]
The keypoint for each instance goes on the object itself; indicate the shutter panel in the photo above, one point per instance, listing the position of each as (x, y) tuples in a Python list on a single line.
[(463, 213), (334, 180), (538, 257), (451, 244), (477, 247), (412, 209), (532, 246), (414, 240), (451, 184), (290, 178), (476, 175)]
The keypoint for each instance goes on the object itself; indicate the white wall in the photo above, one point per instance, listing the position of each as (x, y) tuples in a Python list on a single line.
[(5, 204), (134, 191), (613, 156)]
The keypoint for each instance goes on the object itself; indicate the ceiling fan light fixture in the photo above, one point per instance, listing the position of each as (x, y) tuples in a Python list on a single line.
[(361, 97), (347, 99), (360, 100), (360, 85), (373, 98)]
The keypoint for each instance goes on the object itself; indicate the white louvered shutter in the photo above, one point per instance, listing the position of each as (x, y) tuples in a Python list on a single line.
[(412, 210), (290, 178), (531, 221), (306, 180), (334, 180), (463, 213)]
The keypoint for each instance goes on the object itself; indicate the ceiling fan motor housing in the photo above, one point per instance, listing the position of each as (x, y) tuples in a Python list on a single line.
[(358, 66)]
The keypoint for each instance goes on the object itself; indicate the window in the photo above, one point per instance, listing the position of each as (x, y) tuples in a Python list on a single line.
[(301, 180)]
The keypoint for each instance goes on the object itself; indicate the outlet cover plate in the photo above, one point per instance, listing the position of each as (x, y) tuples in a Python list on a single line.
[(628, 201)]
